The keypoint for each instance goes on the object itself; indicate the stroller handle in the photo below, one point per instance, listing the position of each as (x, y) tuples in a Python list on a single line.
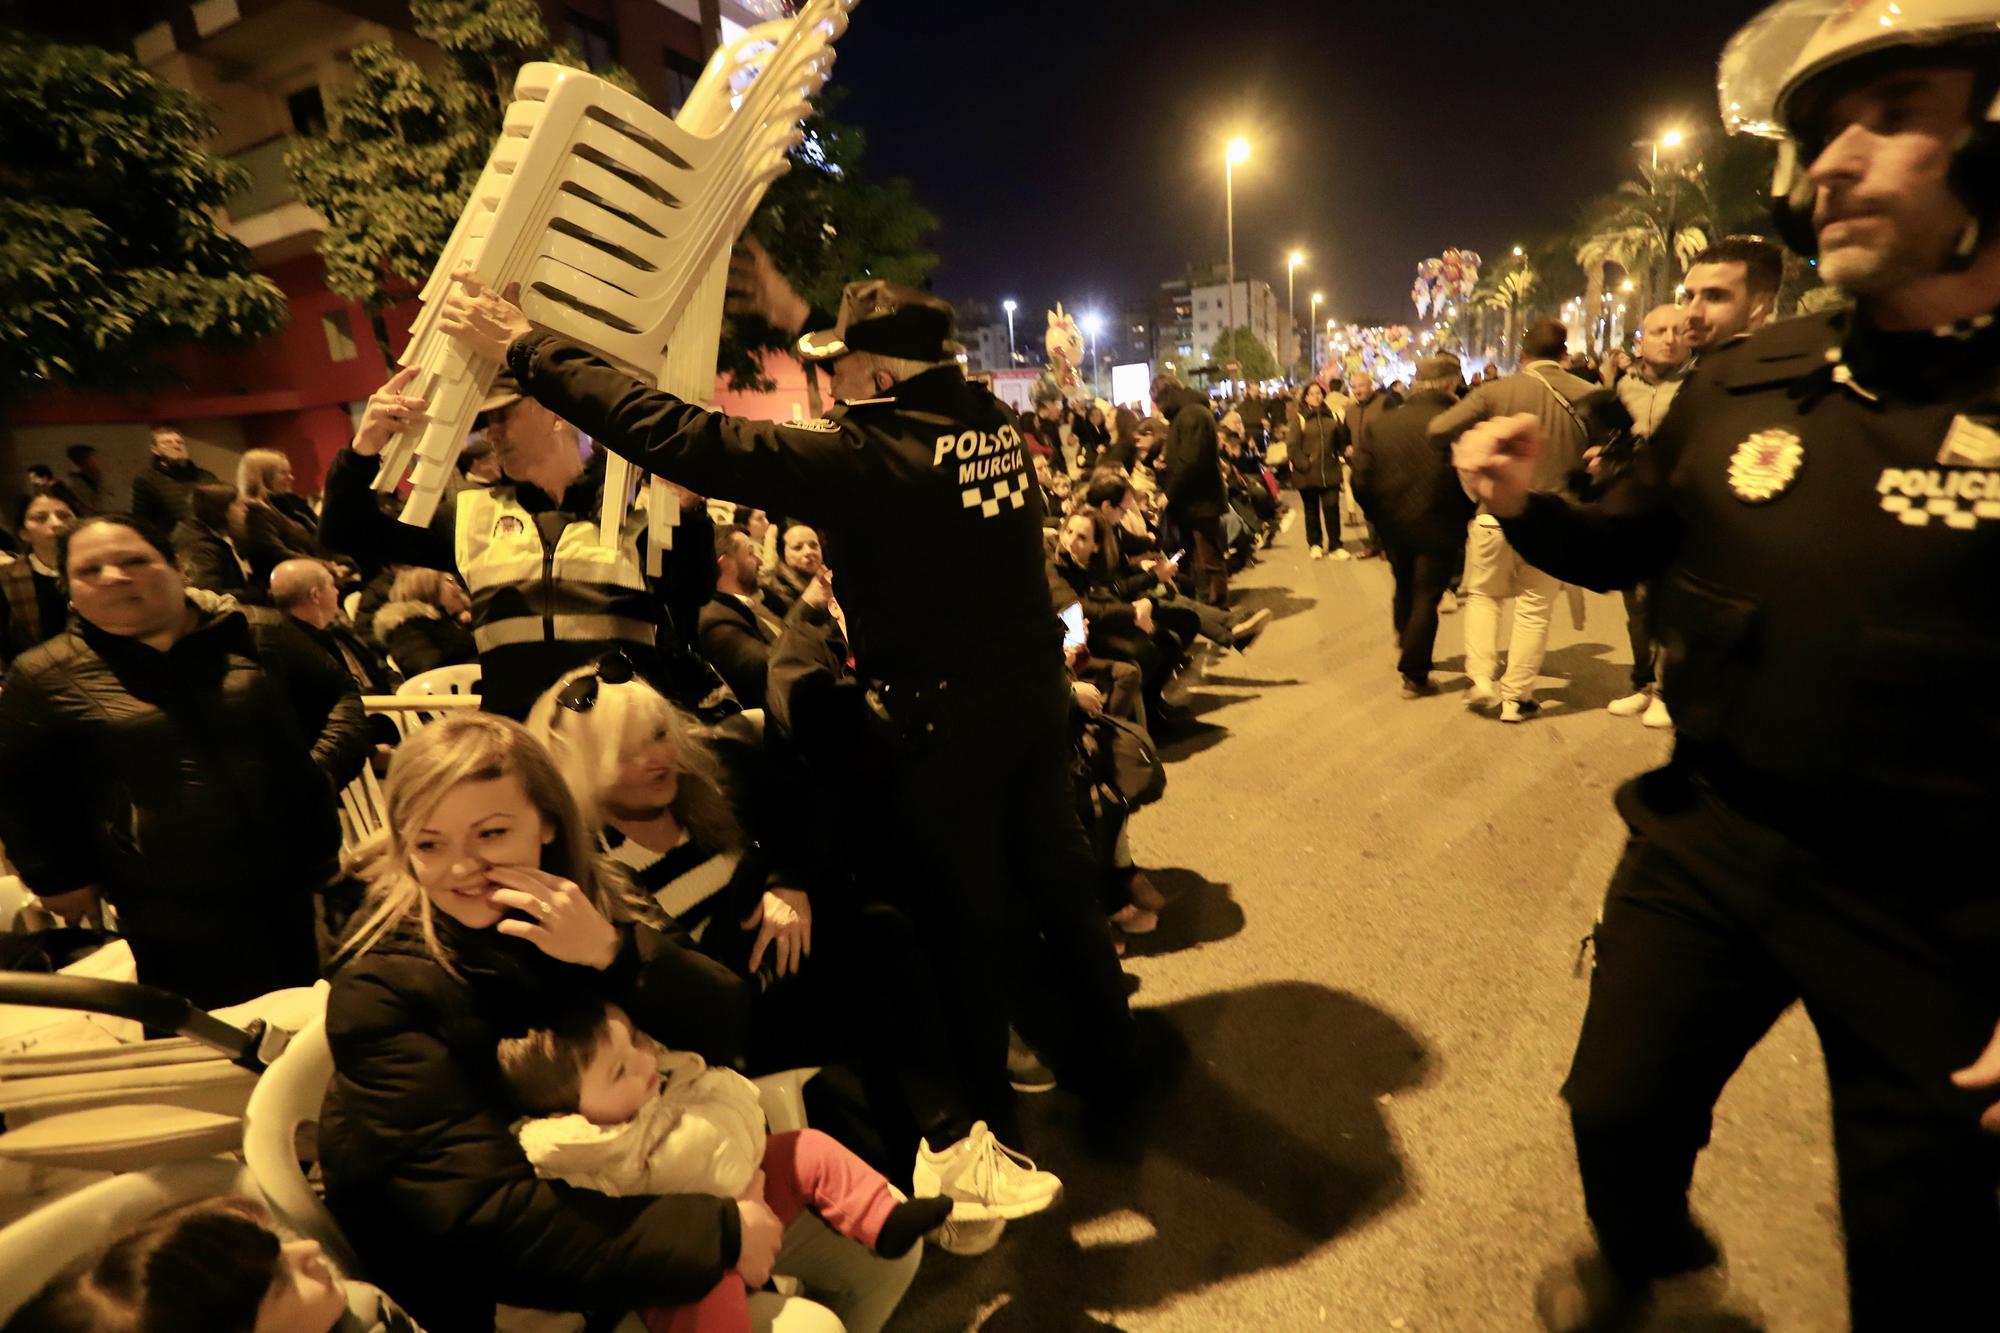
[(159, 1010)]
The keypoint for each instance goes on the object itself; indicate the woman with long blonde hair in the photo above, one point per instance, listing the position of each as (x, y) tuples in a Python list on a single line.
[(277, 525), (847, 986)]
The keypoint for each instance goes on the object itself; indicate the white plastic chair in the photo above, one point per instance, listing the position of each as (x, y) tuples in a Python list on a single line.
[(460, 679), (50, 1239), (287, 1096)]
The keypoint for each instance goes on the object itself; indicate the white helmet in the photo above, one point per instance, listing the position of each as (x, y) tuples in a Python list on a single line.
[(1778, 52), (1788, 46)]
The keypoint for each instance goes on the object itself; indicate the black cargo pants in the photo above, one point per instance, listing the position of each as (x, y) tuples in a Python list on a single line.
[(1713, 926)]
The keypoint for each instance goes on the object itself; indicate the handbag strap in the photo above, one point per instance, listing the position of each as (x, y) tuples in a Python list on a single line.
[(1566, 404)]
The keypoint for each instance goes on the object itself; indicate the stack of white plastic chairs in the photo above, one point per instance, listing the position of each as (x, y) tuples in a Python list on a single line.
[(617, 223)]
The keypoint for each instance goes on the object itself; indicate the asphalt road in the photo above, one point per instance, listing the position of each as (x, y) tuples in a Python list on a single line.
[(1377, 908)]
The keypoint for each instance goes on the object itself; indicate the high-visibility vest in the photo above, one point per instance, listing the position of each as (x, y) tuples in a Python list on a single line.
[(524, 591)]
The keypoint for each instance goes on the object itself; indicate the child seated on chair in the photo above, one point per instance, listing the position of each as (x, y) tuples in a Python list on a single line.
[(216, 1266), (619, 1114)]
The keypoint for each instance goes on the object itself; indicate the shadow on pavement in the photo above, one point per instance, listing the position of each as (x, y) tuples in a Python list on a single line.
[(1272, 1144), (1591, 679), (1280, 602), (1198, 912)]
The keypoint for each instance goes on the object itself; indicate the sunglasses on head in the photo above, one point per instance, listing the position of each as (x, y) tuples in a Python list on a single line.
[(580, 695)]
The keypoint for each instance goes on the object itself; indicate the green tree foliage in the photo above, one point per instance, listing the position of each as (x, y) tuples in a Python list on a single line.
[(1242, 346), (405, 145), (110, 252), (826, 225)]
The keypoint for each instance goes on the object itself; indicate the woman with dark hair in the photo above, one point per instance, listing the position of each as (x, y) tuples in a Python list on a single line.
[(177, 755), (1314, 440), (1121, 446), (1091, 436), (208, 542), (218, 1265), (33, 605)]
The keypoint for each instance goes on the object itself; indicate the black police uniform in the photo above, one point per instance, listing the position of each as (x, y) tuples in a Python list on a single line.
[(928, 510), (1820, 515)]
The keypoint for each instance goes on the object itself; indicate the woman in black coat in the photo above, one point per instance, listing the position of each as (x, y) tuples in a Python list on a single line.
[(1314, 440), (488, 914), (207, 543), (177, 756), (423, 624), (277, 525), (33, 605)]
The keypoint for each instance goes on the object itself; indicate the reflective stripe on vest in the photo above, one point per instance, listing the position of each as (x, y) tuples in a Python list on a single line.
[(592, 591)]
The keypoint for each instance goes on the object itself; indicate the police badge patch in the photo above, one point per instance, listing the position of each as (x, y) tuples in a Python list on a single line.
[(1764, 465)]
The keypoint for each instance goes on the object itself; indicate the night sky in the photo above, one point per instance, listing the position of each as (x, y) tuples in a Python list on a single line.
[(1074, 150)]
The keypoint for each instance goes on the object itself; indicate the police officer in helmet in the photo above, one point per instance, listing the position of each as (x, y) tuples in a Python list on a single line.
[(919, 483), (1820, 514)]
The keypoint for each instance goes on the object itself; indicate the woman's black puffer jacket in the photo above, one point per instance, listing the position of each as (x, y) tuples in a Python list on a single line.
[(421, 1170)]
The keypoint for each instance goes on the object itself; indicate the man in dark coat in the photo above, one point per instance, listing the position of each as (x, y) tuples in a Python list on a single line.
[(177, 755), (1191, 477), (1404, 482), (161, 494), (736, 628)]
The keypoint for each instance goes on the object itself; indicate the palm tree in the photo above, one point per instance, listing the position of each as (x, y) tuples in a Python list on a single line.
[(1505, 287), (1651, 228)]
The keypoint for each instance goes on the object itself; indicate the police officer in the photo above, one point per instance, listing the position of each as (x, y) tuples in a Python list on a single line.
[(549, 591), (920, 485), (1821, 512)]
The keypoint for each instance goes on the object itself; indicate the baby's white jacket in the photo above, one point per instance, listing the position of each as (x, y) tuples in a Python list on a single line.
[(703, 1134)]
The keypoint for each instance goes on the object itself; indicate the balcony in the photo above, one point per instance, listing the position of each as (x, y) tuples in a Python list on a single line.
[(264, 214)]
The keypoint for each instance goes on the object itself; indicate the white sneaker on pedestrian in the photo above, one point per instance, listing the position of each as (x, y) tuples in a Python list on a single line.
[(1518, 710), (1025, 1070), (1340, 553), (1631, 705), (1657, 717), (985, 1180), (1483, 694), (1316, 552)]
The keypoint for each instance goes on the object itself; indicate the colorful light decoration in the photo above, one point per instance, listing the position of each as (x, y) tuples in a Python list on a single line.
[(1444, 280), (1382, 352)]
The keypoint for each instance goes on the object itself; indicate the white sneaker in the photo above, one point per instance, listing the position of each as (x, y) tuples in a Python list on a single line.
[(1483, 694), (1340, 553), (1518, 710), (984, 1179), (1657, 716), (1316, 553), (1631, 705)]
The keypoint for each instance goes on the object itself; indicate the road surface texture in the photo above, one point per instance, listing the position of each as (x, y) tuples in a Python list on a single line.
[(1377, 911)]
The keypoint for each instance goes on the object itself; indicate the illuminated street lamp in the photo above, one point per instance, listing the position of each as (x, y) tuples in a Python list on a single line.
[(1008, 306), (1093, 324), (1238, 151)]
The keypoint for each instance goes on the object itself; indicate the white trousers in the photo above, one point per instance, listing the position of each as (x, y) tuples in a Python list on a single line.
[(1494, 573)]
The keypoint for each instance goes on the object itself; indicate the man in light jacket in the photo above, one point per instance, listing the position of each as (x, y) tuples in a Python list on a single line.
[(1493, 571)]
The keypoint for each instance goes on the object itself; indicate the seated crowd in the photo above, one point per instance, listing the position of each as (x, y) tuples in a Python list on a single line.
[(675, 873)]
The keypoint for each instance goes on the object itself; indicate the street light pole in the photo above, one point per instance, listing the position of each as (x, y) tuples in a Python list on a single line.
[(1292, 262), (1009, 307), (1313, 320), (1238, 150)]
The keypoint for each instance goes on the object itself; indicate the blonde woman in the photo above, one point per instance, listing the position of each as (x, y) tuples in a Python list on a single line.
[(423, 624), (277, 525), (845, 985), (487, 913)]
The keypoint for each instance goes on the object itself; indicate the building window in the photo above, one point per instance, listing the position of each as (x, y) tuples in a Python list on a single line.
[(307, 110), (680, 73), (339, 331), (594, 38)]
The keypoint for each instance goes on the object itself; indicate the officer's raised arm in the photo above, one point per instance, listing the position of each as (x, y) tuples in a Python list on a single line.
[(769, 464)]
